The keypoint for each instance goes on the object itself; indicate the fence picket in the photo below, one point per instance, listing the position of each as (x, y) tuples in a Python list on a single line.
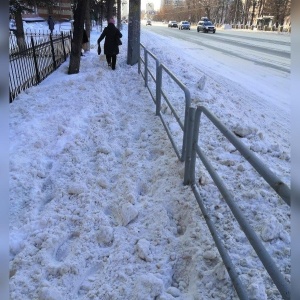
[(33, 64)]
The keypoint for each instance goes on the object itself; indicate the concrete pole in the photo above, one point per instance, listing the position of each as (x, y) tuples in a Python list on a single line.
[(134, 29)]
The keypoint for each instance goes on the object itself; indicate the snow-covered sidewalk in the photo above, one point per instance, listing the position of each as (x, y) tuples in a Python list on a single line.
[(98, 207)]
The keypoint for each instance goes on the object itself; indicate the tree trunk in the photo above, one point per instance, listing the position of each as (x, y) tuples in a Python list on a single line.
[(253, 12), (286, 12), (20, 31), (109, 9), (88, 26), (119, 14), (261, 8), (76, 44)]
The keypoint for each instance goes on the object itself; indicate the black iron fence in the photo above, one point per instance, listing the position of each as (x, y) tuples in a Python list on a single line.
[(34, 57)]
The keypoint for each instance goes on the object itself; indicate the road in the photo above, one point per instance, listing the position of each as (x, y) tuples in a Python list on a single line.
[(267, 49), (248, 70)]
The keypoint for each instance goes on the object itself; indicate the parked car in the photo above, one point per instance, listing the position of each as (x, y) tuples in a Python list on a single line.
[(172, 24), (148, 23), (184, 25), (206, 26)]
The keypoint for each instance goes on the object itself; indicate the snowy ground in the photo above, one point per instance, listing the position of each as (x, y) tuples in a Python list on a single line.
[(98, 208)]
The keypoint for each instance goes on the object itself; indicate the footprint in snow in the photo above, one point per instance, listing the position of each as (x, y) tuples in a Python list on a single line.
[(65, 247)]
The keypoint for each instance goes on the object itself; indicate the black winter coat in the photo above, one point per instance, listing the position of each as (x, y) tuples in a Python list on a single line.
[(110, 45)]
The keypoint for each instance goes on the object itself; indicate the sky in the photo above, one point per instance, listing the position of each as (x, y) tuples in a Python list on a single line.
[(98, 209)]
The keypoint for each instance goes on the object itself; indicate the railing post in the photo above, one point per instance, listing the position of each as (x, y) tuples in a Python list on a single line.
[(189, 145), (140, 58), (63, 45), (187, 106), (195, 136), (139, 63), (158, 89), (157, 63), (146, 67), (38, 79), (52, 51)]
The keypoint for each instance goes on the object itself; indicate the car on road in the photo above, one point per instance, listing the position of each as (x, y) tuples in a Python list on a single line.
[(148, 23), (172, 24), (184, 25), (206, 26)]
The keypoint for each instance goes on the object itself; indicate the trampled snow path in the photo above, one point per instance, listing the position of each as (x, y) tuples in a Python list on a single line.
[(97, 213), (98, 207)]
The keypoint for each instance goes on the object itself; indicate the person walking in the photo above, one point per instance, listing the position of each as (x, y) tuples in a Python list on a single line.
[(111, 46), (50, 24)]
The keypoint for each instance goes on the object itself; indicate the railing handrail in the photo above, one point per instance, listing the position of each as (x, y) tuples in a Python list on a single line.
[(160, 68), (187, 95), (256, 243), (147, 70), (278, 185)]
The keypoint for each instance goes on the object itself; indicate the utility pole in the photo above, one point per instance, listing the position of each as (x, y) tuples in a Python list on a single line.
[(134, 30)]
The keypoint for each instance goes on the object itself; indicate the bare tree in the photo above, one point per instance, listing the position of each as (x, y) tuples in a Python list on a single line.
[(79, 17), (97, 10), (245, 11), (110, 8), (235, 11), (16, 9), (261, 8), (279, 9), (254, 3), (88, 24), (119, 14)]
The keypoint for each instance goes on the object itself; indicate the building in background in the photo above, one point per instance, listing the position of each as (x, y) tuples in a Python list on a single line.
[(124, 9), (62, 10)]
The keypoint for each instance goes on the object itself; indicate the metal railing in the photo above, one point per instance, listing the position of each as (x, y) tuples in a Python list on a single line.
[(161, 70), (281, 189), (32, 59), (191, 150), (148, 71)]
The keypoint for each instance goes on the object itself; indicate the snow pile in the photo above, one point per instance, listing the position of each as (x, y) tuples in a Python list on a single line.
[(98, 205)]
